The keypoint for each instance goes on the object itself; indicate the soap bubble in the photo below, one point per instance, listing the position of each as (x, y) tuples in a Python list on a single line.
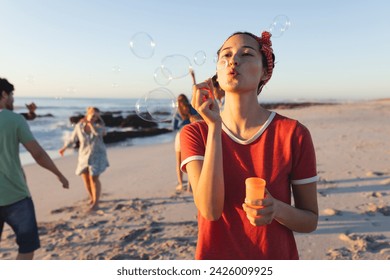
[(200, 57), (176, 66), (279, 25), (215, 58), (30, 79), (116, 69), (158, 105), (222, 63), (142, 45), (71, 90), (162, 77)]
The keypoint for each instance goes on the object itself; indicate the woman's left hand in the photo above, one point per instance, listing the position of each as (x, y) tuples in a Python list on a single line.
[(263, 215)]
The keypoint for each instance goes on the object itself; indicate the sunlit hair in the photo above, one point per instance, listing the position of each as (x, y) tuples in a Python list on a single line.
[(92, 110), (265, 48), (183, 106)]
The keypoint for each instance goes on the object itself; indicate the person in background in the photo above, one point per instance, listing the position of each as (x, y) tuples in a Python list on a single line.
[(246, 140), (31, 112), (16, 205), (92, 159), (185, 115)]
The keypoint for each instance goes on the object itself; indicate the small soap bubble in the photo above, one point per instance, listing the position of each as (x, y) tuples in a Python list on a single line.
[(142, 45), (176, 66), (158, 105), (222, 63), (116, 69), (200, 57), (215, 58), (162, 77), (71, 90), (279, 25), (30, 79)]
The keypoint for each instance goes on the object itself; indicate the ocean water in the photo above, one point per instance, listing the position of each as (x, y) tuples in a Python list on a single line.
[(52, 132)]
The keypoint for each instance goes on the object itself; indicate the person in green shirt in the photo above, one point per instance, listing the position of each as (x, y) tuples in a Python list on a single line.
[(16, 206)]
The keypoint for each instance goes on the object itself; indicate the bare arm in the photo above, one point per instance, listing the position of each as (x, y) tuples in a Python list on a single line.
[(43, 159), (31, 112), (304, 216), (206, 177), (73, 139)]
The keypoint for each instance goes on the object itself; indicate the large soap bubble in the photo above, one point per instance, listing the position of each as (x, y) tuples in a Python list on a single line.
[(158, 105), (142, 45), (176, 66)]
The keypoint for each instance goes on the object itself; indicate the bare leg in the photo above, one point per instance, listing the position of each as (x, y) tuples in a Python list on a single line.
[(96, 190), (179, 174), (25, 256), (87, 183)]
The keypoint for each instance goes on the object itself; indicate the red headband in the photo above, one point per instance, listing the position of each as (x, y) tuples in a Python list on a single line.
[(266, 49)]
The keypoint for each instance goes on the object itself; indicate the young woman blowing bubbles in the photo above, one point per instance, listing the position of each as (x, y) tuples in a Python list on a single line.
[(246, 140)]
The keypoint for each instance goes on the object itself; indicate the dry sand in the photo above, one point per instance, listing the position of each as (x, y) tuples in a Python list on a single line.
[(141, 216)]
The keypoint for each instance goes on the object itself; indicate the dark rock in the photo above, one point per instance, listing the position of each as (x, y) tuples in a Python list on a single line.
[(111, 120), (136, 122), (292, 105), (45, 116), (75, 119), (117, 136)]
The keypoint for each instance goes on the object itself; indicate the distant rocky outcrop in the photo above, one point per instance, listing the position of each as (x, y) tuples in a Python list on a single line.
[(292, 105), (141, 127), (46, 116), (116, 136)]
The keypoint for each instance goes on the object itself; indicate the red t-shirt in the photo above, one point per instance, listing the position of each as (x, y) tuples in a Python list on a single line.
[(282, 153)]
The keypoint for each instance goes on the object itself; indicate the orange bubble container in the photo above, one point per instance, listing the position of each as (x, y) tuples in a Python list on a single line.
[(255, 189)]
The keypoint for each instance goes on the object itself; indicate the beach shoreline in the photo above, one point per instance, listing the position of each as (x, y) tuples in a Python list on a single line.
[(141, 215)]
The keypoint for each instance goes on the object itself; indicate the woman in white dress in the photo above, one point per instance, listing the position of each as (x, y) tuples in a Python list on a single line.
[(92, 159)]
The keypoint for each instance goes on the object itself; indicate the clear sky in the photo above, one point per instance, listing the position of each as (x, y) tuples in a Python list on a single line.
[(80, 48)]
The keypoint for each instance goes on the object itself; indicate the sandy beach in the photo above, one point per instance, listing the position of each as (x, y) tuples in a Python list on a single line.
[(141, 216)]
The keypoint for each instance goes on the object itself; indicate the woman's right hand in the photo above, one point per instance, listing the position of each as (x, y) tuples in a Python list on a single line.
[(204, 103), (64, 181), (62, 151)]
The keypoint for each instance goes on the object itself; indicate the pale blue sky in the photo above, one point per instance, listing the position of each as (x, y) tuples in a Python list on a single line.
[(333, 49)]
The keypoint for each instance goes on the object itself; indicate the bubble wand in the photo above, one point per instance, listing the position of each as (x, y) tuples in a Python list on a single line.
[(192, 73)]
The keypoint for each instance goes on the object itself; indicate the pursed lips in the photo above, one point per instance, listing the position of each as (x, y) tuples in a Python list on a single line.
[(233, 72)]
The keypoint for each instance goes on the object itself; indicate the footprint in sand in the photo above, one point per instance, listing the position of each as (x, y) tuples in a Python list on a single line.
[(384, 210), (132, 235), (361, 244), (385, 182), (371, 209), (63, 209), (375, 173), (332, 212), (377, 194)]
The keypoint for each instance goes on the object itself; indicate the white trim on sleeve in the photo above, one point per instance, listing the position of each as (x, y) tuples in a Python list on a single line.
[(187, 160), (305, 181)]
